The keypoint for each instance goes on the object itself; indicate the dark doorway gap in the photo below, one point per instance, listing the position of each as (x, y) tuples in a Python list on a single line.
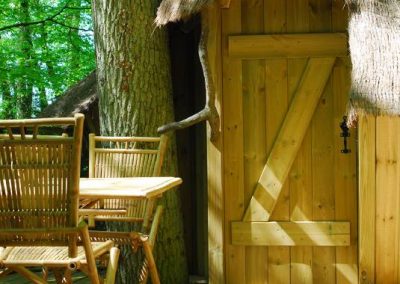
[(189, 97)]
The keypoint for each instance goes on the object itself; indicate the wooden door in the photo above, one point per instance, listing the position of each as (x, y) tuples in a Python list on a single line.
[(290, 206)]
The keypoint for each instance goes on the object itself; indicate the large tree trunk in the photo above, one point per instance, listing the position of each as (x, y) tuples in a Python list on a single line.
[(135, 97)]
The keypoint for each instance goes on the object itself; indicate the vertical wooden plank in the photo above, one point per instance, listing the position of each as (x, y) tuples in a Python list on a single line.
[(289, 139), (301, 192), (301, 173), (277, 104), (340, 14), (323, 183), (387, 194), (232, 144), (254, 138), (366, 195), (216, 273), (345, 164), (345, 175), (322, 155), (277, 101)]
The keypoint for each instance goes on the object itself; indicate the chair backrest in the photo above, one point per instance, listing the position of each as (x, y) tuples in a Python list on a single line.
[(126, 156), (39, 181)]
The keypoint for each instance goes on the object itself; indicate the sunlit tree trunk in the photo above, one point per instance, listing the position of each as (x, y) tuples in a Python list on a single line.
[(7, 101), (25, 87), (41, 95), (73, 34), (53, 82), (135, 93)]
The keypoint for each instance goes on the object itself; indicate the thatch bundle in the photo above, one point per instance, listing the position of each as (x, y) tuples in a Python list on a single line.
[(374, 39), (78, 98), (175, 10)]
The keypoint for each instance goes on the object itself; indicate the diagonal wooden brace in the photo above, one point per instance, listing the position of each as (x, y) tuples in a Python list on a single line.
[(290, 137)]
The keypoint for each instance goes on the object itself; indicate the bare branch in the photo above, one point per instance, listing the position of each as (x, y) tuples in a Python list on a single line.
[(79, 8), (70, 27), (191, 120), (213, 119), (209, 112)]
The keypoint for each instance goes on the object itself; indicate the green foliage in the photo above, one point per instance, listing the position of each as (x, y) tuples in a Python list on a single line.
[(45, 47)]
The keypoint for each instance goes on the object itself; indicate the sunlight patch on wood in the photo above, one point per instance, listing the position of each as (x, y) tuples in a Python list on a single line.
[(303, 233)]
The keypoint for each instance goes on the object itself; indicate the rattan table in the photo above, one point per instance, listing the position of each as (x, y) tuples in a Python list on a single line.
[(126, 188)]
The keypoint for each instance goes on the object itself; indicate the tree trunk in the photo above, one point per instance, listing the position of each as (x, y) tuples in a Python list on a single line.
[(135, 97), (25, 87), (73, 35), (52, 83), (8, 102)]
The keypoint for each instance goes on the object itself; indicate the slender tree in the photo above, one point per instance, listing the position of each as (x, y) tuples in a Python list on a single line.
[(25, 86), (135, 97), (7, 110)]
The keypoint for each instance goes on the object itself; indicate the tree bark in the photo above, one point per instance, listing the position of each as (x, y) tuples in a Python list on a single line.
[(135, 96)]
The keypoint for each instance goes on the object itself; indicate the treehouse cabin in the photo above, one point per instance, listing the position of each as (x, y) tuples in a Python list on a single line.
[(294, 196)]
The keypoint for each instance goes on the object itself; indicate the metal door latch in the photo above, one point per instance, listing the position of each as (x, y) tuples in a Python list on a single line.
[(345, 134)]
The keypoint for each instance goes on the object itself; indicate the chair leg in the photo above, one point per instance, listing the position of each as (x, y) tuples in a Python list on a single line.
[(28, 274), (45, 273), (151, 263), (112, 266), (58, 275), (90, 260), (67, 276)]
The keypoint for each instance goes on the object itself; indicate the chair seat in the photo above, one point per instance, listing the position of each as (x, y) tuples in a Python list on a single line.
[(42, 256)]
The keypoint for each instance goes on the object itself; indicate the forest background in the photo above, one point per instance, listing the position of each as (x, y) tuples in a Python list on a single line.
[(46, 46)]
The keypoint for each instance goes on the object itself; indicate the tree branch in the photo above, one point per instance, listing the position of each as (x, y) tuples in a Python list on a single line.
[(35, 22), (72, 28), (79, 8), (209, 112), (189, 121)]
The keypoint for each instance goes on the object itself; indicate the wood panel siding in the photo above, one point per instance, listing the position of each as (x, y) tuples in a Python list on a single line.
[(367, 196), (379, 199), (233, 158), (215, 193), (290, 137), (273, 51)]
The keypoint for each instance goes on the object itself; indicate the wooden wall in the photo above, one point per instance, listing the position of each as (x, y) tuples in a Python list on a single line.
[(254, 93), (379, 195)]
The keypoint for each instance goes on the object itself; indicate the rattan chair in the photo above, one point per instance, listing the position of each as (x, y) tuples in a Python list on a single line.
[(39, 196), (129, 157)]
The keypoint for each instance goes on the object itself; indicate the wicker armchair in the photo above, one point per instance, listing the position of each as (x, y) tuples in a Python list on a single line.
[(39, 196), (129, 157)]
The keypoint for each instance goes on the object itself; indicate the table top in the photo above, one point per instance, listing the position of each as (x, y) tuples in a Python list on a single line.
[(126, 188)]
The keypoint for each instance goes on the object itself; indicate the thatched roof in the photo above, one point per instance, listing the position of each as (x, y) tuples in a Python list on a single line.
[(374, 40), (175, 10), (78, 98)]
